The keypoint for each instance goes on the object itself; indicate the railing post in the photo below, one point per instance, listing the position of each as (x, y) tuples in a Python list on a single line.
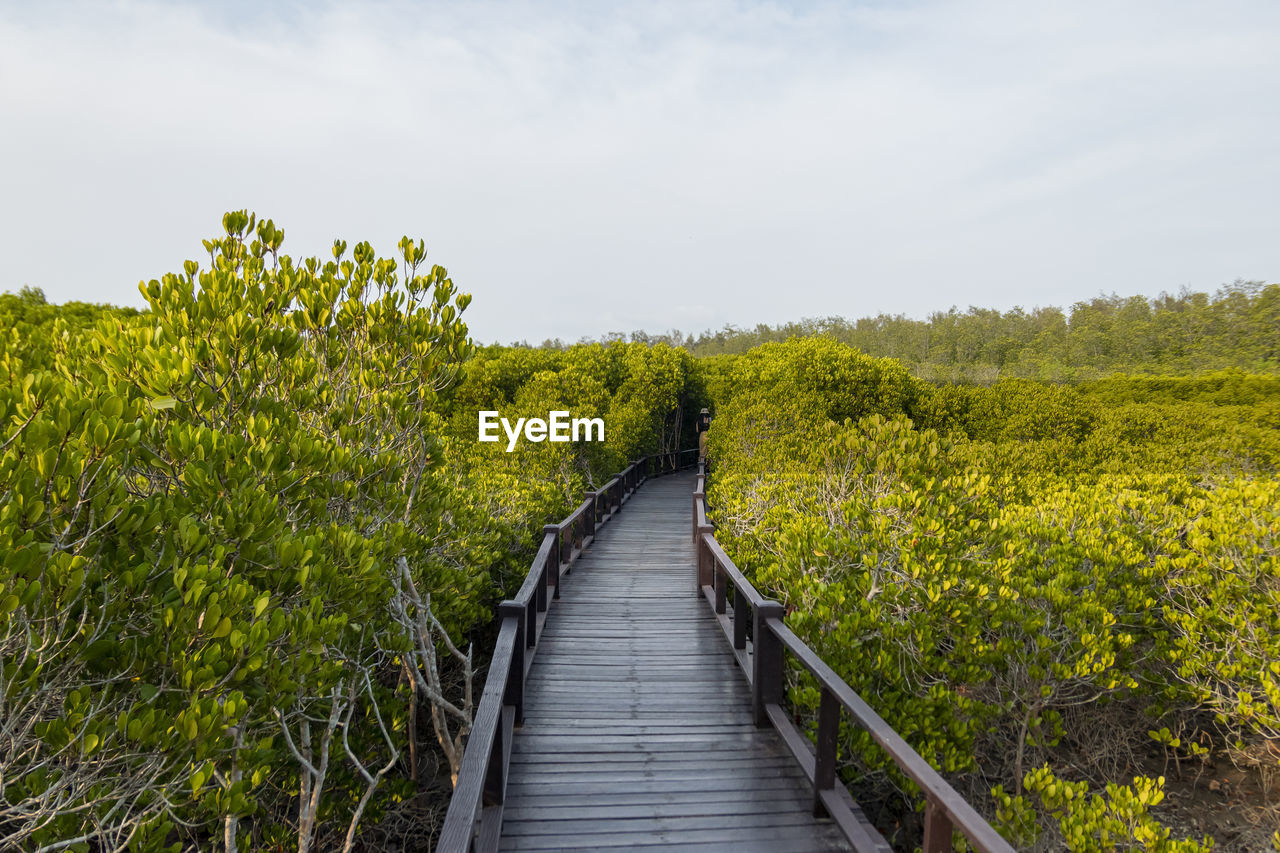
[(721, 580), (766, 662), (531, 618), (495, 776), (697, 498), (553, 572), (740, 615), (615, 497), (513, 695), (539, 599), (937, 828), (706, 562), (824, 769), (700, 548), (590, 516)]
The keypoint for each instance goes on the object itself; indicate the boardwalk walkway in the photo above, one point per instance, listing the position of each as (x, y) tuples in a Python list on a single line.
[(638, 729)]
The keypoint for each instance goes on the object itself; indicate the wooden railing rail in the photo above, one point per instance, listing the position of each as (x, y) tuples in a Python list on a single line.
[(762, 662), (474, 819)]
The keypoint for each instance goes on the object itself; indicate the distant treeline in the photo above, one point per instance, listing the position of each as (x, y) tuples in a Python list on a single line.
[(1193, 332)]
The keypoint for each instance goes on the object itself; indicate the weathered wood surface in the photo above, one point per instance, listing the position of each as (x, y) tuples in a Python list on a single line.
[(638, 727)]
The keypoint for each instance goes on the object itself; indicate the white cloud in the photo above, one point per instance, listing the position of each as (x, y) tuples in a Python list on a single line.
[(590, 167)]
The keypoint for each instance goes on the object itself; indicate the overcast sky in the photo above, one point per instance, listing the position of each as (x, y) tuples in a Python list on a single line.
[(590, 167)]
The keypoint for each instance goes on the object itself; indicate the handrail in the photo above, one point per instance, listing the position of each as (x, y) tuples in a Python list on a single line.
[(474, 819), (908, 760), (763, 664)]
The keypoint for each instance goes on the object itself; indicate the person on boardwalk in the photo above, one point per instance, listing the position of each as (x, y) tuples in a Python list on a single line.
[(704, 424)]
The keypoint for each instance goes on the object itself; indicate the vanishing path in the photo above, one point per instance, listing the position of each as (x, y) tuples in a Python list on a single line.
[(637, 720)]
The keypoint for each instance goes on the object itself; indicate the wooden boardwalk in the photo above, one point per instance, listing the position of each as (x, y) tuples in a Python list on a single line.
[(638, 725)]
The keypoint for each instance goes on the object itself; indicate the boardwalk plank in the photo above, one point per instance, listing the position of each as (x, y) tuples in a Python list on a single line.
[(740, 818), (638, 729), (666, 790), (746, 840)]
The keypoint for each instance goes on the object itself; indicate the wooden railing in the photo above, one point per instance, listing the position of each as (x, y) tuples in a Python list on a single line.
[(474, 819), (762, 661)]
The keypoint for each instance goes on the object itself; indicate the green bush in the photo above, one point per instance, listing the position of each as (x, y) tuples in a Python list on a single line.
[(236, 523), (1001, 570)]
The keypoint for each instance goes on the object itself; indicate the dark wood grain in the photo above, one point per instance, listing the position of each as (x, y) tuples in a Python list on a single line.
[(637, 720)]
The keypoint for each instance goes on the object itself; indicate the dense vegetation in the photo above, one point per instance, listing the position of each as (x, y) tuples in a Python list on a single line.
[(1029, 582), (248, 532), (249, 537), (1192, 332)]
